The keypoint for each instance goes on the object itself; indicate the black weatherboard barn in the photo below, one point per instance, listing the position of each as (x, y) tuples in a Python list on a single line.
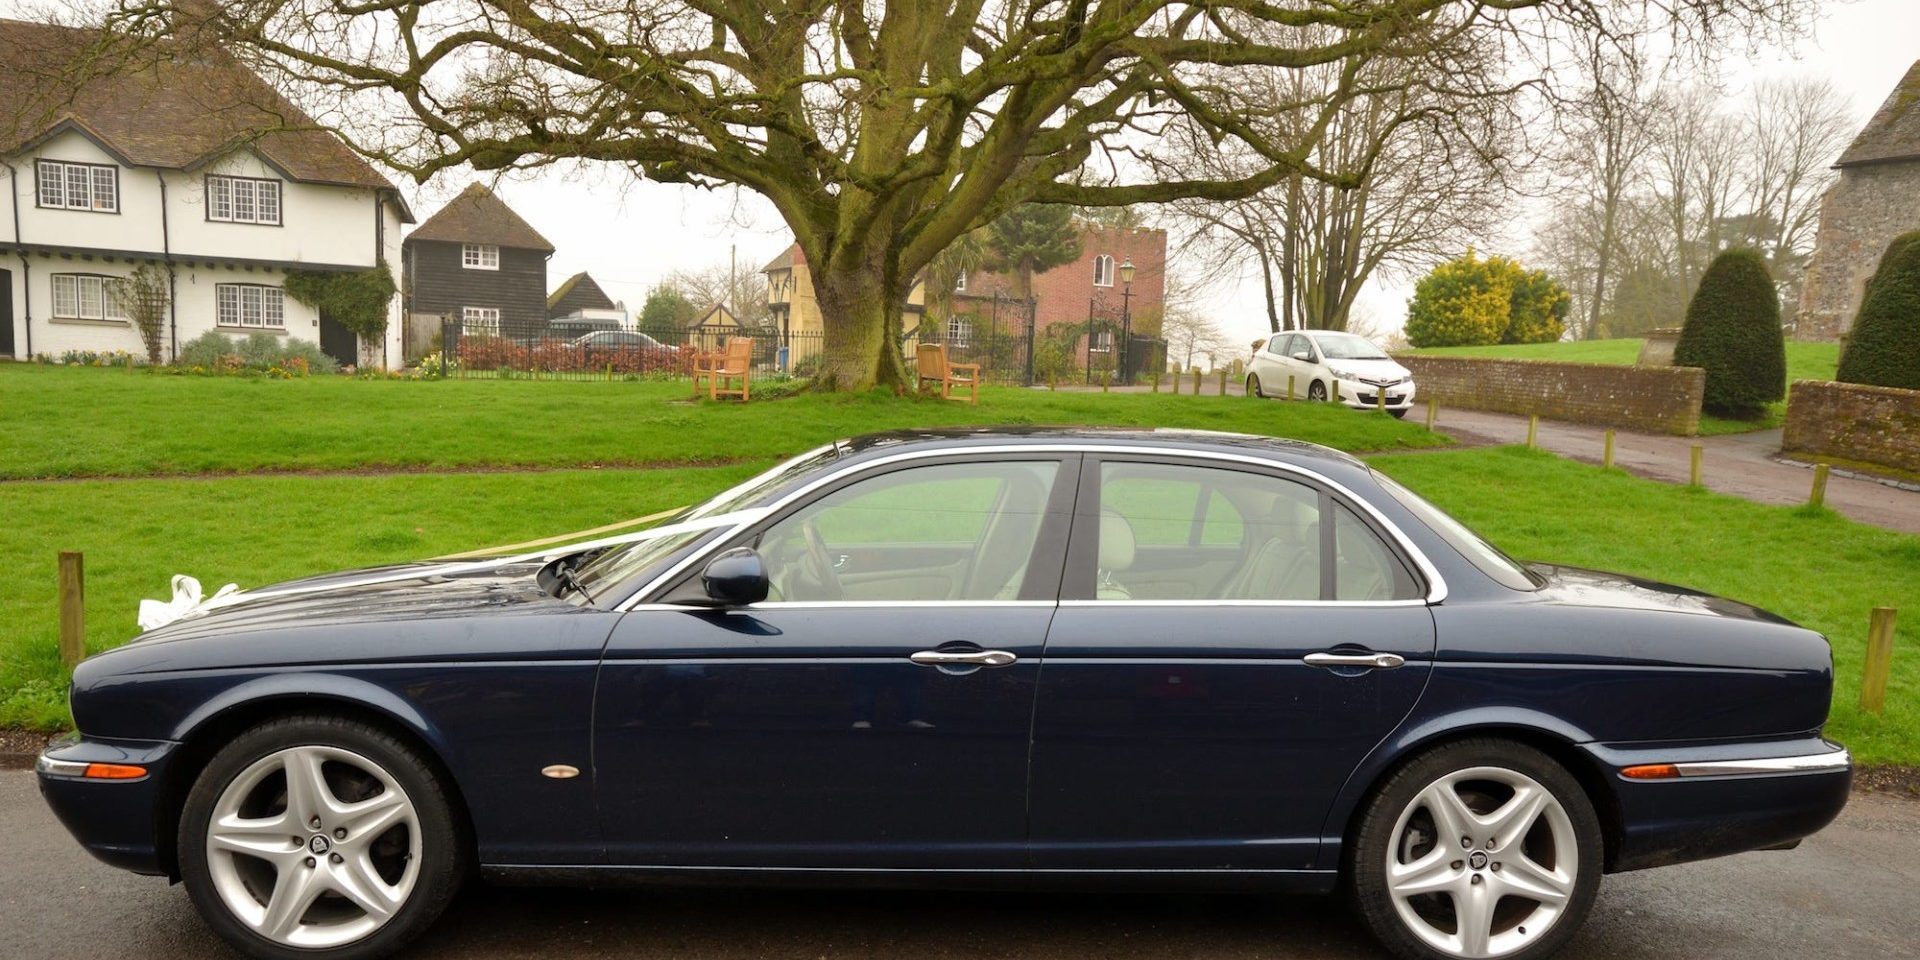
[(478, 262)]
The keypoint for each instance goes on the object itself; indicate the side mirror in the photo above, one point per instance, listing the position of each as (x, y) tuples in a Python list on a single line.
[(1304, 356), (735, 578)]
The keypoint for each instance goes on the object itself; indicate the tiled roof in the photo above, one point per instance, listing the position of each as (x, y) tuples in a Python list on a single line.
[(1894, 131), (785, 261), (477, 216), (175, 107), (578, 292)]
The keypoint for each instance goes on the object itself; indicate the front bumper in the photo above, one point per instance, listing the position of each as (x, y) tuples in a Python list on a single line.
[(118, 821), (1360, 395), (1722, 801)]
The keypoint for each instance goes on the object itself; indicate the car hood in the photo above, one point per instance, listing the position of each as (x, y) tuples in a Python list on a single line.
[(346, 597), (1576, 586), (1369, 369)]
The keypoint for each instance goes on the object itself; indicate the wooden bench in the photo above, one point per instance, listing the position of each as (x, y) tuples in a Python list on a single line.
[(932, 363), (720, 369)]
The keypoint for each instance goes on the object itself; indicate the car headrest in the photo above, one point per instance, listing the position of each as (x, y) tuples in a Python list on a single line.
[(1116, 541)]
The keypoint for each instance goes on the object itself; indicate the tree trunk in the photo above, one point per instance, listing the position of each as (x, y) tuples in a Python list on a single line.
[(864, 332)]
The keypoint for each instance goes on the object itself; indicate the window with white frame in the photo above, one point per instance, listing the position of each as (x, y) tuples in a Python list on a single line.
[(1101, 341), (959, 330), (1103, 271), (78, 186), (960, 283), (249, 305), (243, 200), (479, 256), (480, 320), (85, 296)]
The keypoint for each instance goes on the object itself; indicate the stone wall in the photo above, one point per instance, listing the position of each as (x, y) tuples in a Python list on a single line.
[(1861, 214), (1653, 399), (1848, 421)]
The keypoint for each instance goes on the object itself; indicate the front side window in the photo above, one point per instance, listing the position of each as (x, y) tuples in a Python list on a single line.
[(479, 256), (961, 531), (80, 296), (482, 320), (1103, 271), (1178, 532), (250, 305), (243, 200), (78, 186)]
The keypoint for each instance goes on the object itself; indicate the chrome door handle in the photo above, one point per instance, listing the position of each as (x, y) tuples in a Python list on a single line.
[(966, 658), (1365, 661)]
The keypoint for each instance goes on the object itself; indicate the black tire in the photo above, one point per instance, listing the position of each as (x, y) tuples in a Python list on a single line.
[(1365, 869), (1253, 386), (1400, 414), (1317, 392), (443, 845)]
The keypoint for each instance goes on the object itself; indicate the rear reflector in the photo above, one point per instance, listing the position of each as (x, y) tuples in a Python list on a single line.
[(114, 771), (1651, 771)]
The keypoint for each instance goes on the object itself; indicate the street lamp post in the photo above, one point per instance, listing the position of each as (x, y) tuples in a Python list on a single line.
[(1126, 321)]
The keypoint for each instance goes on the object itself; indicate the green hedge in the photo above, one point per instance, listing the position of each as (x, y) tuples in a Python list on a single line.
[(1884, 349), (1733, 332)]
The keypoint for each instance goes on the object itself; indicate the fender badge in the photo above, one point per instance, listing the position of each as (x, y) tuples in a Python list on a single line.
[(560, 771)]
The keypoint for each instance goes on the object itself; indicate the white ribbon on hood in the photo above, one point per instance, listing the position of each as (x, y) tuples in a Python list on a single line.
[(186, 599), (186, 590)]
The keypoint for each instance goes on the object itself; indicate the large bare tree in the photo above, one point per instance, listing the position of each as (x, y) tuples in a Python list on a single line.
[(880, 129)]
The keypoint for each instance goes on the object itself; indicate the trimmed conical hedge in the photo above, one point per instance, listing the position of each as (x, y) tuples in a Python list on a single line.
[(1884, 349), (1733, 332)]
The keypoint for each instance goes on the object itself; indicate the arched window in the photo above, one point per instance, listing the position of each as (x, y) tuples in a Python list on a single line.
[(1103, 271)]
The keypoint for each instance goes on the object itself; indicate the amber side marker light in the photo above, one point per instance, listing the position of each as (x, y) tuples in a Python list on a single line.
[(114, 771), (1651, 771)]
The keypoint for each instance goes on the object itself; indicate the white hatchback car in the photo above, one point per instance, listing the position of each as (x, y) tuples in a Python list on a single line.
[(1316, 361)]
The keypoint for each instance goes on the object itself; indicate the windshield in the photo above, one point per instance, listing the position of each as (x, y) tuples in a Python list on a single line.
[(1477, 551), (631, 559), (1346, 346)]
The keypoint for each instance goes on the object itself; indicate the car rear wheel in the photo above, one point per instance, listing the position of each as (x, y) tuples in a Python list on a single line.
[(319, 837), (1253, 386), (1479, 849)]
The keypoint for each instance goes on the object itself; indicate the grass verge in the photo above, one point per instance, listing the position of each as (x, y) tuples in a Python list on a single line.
[(1814, 567), (77, 422)]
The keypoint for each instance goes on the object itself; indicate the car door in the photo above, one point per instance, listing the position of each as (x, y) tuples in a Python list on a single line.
[(875, 710), (1212, 732)]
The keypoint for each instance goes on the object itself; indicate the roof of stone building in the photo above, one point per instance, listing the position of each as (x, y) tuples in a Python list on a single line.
[(175, 106), (578, 292), (1894, 131), (477, 216)]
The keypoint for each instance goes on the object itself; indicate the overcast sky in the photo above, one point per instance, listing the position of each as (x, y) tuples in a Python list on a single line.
[(630, 235)]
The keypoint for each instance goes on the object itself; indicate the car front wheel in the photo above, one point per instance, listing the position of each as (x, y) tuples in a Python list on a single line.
[(319, 837), (1479, 849)]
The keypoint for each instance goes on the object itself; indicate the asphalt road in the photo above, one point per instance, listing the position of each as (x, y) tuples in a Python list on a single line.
[(1851, 892)]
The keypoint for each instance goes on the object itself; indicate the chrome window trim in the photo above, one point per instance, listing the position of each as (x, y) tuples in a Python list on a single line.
[(839, 604), (1245, 603), (1831, 762), (1436, 584)]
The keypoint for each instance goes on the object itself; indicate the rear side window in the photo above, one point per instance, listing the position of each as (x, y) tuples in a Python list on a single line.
[(1484, 556)]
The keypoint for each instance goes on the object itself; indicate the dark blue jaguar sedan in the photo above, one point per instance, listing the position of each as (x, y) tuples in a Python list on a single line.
[(998, 657)]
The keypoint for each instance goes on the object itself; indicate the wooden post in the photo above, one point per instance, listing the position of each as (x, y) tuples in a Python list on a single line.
[(1289, 386), (1380, 399), (1223, 382), (1533, 430), (73, 608), (1104, 380), (1156, 382), (1819, 496), (1053, 381), (1432, 409), (1693, 470), (1873, 686), (1333, 390), (1606, 456)]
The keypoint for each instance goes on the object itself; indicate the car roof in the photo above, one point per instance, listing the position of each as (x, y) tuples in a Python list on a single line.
[(959, 439)]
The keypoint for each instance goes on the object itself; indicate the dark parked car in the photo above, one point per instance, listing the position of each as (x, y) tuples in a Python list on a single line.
[(1014, 656), (603, 345)]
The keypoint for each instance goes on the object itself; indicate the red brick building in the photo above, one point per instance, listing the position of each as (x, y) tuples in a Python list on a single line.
[(1068, 294)]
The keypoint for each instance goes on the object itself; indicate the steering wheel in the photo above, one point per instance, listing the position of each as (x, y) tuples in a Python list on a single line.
[(821, 564)]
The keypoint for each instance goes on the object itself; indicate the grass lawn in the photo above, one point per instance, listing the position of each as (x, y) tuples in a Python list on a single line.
[(1805, 361), (258, 530), (79, 422), (1817, 569)]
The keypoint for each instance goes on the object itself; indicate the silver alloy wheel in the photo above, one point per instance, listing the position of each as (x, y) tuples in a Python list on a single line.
[(302, 865), (1482, 862)]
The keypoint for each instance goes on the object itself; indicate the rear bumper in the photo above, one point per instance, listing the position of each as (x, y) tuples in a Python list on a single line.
[(115, 820), (1747, 798)]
